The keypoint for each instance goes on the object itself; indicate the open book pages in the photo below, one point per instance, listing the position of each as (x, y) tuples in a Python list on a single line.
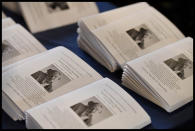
[(164, 76), (42, 16), (127, 38), (12, 6), (101, 104), (90, 23), (17, 44), (3, 15), (41, 78), (7, 22)]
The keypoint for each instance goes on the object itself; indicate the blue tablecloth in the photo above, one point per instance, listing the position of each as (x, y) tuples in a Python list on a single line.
[(66, 36)]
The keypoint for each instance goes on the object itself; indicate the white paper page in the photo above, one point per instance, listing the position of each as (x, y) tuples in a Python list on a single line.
[(169, 71), (17, 44), (102, 104), (7, 22), (95, 21), (45, 77), (42, 16), (12, 6), (137, 35)]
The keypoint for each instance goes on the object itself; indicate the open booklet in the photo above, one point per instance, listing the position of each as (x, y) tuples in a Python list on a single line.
[(115, 37), (102, 104), (17, 43), (164, 76), (41, 16), (56, 86)]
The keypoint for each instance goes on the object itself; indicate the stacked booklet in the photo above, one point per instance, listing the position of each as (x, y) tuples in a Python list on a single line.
[(41, 16), (115, 37), (55, 89), (164, 76), (155, 56), (99, 105)]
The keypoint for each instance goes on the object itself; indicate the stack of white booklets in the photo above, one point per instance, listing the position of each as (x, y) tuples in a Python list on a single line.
[(41, 16), (55, 89), (115, 37), (155, 56), (164, 76)]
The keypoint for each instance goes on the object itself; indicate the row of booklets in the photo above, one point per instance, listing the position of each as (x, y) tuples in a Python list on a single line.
[(55, 88)]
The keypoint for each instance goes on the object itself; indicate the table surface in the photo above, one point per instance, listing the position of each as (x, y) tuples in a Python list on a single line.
[(66, 36)]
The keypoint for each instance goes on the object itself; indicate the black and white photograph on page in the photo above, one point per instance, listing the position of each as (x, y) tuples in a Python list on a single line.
[(91, 111), (143, 36), (56, 6), (181, 65), (50, 78)]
